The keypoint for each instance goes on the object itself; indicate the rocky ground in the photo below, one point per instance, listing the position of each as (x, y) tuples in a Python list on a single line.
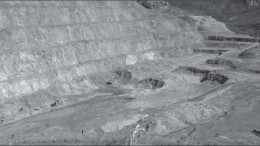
[(208, 95)]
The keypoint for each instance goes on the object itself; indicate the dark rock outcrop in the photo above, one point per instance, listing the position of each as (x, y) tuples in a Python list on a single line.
[(214, 77), (151, 83), (218, 61)]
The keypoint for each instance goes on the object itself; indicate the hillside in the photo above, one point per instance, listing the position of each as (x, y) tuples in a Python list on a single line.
[(241, 16)]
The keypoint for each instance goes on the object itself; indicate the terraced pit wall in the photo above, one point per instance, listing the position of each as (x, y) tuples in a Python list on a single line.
[(44, 43), (220, 9), (240, 16), (235, 39)]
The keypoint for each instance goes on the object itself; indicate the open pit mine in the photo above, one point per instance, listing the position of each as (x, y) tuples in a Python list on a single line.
[(173, 72)]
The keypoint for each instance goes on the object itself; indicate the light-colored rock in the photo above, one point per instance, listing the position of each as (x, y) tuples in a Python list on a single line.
[(63, 40)]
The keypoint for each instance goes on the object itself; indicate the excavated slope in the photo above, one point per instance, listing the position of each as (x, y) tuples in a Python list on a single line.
[(222, 9), (241, 16), (55, 45)]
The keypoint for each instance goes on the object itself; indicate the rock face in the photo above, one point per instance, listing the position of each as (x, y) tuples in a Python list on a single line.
[(241, 16), (54, 46), (221, 9), (208, 24), (253, 3)]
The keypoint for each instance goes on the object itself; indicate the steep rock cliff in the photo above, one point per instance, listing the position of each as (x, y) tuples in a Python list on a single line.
[(54, 46)]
